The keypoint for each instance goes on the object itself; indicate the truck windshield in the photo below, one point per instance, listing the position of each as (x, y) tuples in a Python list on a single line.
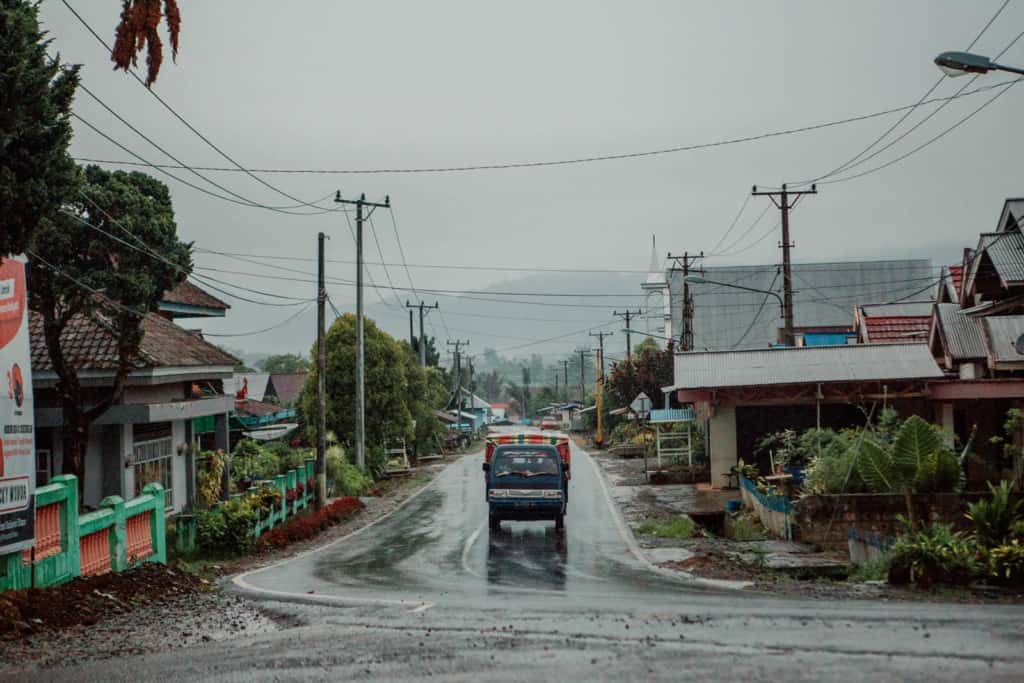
[(525, 463)]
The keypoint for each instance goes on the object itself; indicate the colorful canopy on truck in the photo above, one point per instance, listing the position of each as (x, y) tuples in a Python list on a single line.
[(561, 442)]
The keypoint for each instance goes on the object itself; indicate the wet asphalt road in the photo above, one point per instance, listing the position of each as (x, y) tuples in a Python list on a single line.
[(430, 591)]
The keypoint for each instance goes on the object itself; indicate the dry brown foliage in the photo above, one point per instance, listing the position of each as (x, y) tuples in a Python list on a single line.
[(137, 30)]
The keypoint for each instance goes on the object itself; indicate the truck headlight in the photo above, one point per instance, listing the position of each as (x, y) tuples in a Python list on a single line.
[(553, 494), (498, 493)]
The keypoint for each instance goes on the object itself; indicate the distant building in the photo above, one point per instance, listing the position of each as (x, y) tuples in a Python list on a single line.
[(824, 298)]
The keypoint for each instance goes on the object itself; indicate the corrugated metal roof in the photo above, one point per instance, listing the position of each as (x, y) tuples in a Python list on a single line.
[(1002, 332), (825, 296), (1007, 254), (903, 309), (1012, 214), (962, 335), (804, 365)]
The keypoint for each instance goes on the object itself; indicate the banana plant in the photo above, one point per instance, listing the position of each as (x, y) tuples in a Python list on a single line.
[(917, 460)]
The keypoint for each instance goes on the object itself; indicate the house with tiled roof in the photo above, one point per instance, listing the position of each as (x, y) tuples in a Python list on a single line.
[(284, 387), (174, 385), (187, 300), (905, 321)]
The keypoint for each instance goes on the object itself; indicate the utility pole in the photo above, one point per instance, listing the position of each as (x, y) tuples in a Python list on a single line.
[(423, 339), (556, 384), (360, 204), (565, 367), (684, 264), (321, 378), (412, 335), (628, 316), (458, 344), (783, 204), (526, 392), (599, 436), (583, 384)]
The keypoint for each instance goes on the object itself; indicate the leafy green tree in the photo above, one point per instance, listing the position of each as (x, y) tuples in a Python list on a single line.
[(386, 381), (491, 384), (36, 173), (80, 261), (284, 362), (433, 356), (648, 370)]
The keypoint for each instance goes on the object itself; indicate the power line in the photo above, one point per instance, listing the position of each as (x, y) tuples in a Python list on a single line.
[(81, 285), (188, 125), (760, 309), (284, 322), (854, 160), (928, 142), (564, 162)]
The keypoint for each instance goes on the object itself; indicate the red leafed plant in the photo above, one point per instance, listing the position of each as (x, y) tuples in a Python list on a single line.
[(307, 526), (140, 20)]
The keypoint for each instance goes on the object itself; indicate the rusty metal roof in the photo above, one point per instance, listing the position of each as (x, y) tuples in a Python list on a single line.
[(804, 365)]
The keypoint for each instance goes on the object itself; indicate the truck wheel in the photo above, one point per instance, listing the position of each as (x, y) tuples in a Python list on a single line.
[(560, 522), (495, 523)]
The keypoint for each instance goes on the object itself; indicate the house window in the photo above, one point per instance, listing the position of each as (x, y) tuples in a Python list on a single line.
[(152, 458)]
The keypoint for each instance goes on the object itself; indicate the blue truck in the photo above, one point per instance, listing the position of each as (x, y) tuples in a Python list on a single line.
[(526, 481)]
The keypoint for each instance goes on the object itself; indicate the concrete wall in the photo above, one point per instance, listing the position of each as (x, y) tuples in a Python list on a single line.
[(826, 520), (722, 437)]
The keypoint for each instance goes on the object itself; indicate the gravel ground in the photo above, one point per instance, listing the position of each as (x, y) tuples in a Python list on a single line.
[(112, 622)]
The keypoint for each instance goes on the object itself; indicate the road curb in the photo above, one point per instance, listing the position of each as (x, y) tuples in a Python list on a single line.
[(638, 552)]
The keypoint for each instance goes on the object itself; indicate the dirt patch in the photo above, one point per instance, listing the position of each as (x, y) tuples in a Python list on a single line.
[(86, 601)]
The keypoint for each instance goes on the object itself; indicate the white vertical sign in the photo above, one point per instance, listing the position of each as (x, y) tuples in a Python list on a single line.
[(17, 431)]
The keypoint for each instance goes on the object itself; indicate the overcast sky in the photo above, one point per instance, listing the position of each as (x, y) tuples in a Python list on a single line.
[(361, 85)]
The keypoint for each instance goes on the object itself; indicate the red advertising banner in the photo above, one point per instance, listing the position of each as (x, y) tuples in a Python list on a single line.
[(17, 432)]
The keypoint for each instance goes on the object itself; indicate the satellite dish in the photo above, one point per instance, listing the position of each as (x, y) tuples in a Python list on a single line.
[(1019, 345)]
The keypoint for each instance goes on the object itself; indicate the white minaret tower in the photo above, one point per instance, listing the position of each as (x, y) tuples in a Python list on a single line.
[(656, 299)]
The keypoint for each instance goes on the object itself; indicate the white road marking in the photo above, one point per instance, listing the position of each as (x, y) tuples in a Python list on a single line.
[(422, 608), (469, 546)]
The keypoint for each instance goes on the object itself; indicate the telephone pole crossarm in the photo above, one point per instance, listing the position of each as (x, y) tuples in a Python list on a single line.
[(684, 264)]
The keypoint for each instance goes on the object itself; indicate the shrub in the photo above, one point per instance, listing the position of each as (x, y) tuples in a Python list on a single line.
[(228, 529), (1006, 563), (351, 482), (934, 554), (673, 527), (308, 526), (994, 519), (265, 500), (208, 480)]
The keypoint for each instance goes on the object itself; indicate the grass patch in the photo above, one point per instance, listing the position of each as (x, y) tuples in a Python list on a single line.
[(872, 570), (673, 527), (745, 526)]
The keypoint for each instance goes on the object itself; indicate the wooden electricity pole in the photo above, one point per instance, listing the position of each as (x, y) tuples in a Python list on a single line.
[(599, 436), (783, 204), (360, 204), (684, 263), (321, 378), (628, 315)]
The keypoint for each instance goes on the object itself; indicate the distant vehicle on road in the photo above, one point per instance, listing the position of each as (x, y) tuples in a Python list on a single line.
[(550, 423), (526, 478)]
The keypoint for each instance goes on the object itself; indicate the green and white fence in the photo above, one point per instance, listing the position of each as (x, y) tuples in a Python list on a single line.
[(298, 492), (118, 536)]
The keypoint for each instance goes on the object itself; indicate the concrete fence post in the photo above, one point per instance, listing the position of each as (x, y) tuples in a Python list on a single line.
[(281, 482), (69, 530), (157, 522), (118, 534)]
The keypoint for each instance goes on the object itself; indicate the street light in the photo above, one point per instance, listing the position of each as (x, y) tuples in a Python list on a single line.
[(962, 63)]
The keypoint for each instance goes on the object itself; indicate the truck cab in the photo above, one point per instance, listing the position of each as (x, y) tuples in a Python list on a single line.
[(526, 481)]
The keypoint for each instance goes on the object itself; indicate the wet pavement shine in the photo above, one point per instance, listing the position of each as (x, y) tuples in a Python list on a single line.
[(430, 591)]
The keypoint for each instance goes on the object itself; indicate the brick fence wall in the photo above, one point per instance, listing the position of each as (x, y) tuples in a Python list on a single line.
[(874, 513)]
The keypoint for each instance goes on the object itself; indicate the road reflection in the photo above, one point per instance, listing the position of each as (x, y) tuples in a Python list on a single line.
[(530, 556)]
